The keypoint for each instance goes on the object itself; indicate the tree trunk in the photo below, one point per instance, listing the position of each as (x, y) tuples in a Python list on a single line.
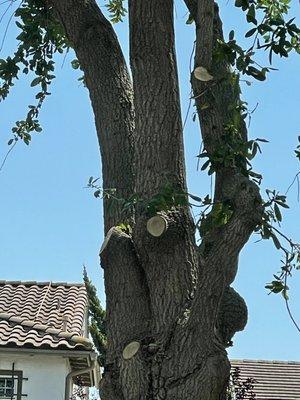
[(170, 309)]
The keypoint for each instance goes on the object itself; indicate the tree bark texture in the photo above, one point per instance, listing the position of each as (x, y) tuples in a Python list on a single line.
[(170, 307)]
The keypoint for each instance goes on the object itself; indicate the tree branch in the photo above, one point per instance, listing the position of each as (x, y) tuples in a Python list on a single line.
[(192, 7), (159, 154), (110, 88), (216, 99)]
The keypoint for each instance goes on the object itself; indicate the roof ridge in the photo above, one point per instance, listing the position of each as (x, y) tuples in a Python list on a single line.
[(26, 323), (285, 362), (40, 283)]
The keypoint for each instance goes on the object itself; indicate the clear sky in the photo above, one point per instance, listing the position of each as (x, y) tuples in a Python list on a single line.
[(50, 225)]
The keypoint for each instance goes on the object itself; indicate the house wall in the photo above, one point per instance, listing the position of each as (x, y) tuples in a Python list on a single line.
[(46, 374)]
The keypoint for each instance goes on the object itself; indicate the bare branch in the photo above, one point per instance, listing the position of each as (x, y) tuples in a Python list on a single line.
[(109, 84)]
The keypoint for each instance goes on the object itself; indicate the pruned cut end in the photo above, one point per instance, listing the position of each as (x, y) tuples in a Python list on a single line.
[(202, 74), (106, 239), (130, 350), (157, 225)]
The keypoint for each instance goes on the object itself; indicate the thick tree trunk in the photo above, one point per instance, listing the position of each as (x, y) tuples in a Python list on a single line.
[(170, 310), (110, 89)]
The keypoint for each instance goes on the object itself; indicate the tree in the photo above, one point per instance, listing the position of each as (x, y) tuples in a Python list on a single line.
[(97, 327), (170, 309)]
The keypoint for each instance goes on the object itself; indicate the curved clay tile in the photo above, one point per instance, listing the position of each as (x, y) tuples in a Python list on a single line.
[(20, 302)]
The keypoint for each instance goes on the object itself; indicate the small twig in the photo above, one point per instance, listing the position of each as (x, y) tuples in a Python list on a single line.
[(296, 178), (288, 306), (6, 156), (190, 97), (191, 57), (8, 23), (250, 114), (6, 1), (5, 12), (200, 151), (64, 59), (291, 243), (187, 114)]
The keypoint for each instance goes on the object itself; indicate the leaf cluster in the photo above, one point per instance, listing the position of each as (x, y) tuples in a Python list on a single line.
[(219, 215), (242, 60), (271, 33), (291, 252), (116, 10), (167, 199), (272, 214), (233, 152), (40, 37)]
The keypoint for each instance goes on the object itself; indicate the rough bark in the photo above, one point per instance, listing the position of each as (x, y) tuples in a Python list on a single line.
[(110, 89), (128, 315), (170, 309)]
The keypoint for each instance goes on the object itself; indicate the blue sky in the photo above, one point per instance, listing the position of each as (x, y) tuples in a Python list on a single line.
[(51, 225)]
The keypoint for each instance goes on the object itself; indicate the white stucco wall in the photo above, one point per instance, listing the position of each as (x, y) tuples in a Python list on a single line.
[(46, 374)]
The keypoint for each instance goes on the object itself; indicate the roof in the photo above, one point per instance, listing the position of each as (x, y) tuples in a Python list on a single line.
[(276, 380), (43, 315)]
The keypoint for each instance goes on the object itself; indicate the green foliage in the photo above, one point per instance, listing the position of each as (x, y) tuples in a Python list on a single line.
[(39, 39), (116, 10), (126, 228), (297, 151), (271, 215), (220, 215), (75, 65), (97, 326), (242, 60), (167, 199), (273, 34), (291, 251), (233, 152), (190, 20)]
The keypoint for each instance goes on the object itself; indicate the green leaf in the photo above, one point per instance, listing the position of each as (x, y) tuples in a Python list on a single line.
[(276, 241), (285, 293), (190, 20), (284, 205), (196, 198), (277, 213), (251, 14), (36, 81), (205, 165), (262, 140), (250, 33)]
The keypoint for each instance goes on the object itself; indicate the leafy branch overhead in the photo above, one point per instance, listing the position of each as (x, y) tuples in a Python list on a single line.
[(271, 32), (41, 37)]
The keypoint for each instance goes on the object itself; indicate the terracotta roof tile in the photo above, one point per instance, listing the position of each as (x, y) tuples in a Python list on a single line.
[(43, 314), (275, 380)]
